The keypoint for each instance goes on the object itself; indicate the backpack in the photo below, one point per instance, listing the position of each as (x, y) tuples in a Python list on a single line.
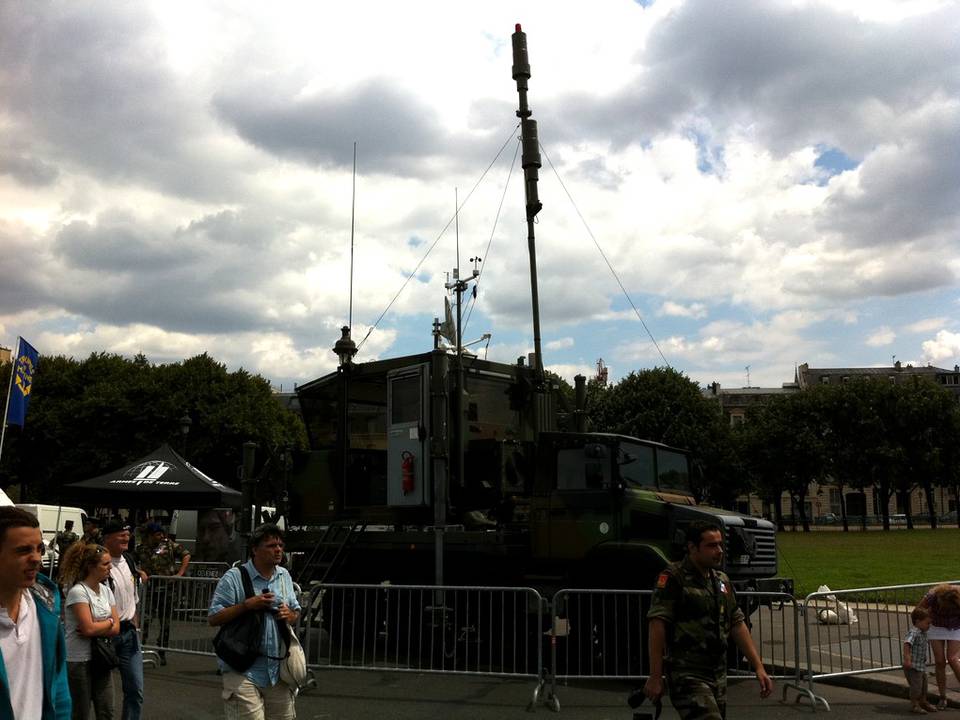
[(238, 642)]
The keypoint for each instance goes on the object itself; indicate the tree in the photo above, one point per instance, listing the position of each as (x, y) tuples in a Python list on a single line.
[(785, 447), (664, 405), (88, 417)]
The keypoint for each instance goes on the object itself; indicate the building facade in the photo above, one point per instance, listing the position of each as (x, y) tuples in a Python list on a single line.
[(823, 502)]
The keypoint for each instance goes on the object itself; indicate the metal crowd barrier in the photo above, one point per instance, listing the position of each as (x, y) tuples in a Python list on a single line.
[(426, 629), (587, 634), (857, 631), (603, 634), (173, 614), (207, 569)]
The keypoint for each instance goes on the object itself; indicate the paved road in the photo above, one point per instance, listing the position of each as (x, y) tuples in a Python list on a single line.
[(189, 688)]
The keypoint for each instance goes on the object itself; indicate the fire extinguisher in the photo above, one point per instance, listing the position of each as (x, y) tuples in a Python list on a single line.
[(406, 471)]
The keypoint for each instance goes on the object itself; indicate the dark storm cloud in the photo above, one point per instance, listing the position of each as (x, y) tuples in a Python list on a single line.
[(843, 282), (26, 169), (116, 245), (21, 269), (90, 84), (794, 75), (211, 275), (396, 132), (907, 191), (394, 129)]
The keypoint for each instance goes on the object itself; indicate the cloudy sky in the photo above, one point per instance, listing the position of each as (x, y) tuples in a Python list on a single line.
[(773, 182)]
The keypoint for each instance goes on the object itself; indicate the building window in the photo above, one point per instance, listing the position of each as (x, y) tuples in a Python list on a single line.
[(824, 379), (845, 378)]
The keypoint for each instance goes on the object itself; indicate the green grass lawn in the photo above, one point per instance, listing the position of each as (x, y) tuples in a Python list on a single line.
[(868, 559)]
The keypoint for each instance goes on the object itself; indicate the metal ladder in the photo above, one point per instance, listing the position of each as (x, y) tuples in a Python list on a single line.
[(329, 553)]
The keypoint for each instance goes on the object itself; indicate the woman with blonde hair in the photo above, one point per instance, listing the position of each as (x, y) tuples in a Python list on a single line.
[(943, 604), (91, 613)]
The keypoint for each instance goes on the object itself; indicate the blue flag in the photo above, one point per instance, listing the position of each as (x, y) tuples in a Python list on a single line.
[(24, 366)]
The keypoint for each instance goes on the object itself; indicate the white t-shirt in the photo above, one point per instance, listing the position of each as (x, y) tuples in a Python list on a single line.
[(23, 659), (124, 588), (101, 603)]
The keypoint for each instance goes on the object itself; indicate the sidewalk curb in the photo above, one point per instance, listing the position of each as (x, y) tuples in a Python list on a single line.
[(885, 684)]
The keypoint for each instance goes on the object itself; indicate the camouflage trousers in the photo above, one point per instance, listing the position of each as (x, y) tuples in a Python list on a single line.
[(698, 699)]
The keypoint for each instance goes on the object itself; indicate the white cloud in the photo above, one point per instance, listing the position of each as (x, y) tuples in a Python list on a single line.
[(560, 344), (926, 325), (693, 310), (881, 336), (179, 177), (945, 345)]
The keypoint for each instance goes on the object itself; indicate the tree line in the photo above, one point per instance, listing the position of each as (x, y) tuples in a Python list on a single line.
[(87, 417), (862, 436), (90, 416)]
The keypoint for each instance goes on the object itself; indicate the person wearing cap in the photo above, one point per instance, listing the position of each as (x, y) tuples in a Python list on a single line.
[(160, 556), (123, 581), (91, 532)]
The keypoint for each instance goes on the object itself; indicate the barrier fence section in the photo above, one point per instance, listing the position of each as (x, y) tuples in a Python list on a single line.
[(586, 633), (603, 634), (173, 614), (856, 631), (426, 629)]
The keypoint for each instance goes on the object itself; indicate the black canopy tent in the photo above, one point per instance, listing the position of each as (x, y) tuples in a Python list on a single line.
[(161, 479)]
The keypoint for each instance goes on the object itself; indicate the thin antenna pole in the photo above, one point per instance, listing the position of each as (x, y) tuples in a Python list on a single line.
[(456, 216), (6, 408), (353, 205)]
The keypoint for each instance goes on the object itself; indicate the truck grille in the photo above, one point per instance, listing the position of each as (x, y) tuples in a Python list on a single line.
[(764, 550)]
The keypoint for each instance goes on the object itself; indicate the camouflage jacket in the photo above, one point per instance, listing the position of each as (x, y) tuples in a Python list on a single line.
[(64, 539), (164, 558), (699, 612)]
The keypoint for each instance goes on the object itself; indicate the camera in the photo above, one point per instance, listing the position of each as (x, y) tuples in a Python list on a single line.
[(636, 699)]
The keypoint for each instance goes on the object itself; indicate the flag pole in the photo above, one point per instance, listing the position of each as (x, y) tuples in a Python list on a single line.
[(6, 407)]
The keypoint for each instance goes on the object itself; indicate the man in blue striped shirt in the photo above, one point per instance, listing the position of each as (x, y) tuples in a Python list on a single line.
[(258, 692)]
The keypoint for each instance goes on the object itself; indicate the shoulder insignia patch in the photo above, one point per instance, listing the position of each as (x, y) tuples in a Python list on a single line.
[(662, 579)]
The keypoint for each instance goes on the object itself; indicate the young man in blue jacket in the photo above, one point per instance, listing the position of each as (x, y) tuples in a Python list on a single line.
[(33, 656)]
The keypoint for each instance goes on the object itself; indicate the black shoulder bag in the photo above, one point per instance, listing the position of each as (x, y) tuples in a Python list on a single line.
[(103, 653), (238, 642)]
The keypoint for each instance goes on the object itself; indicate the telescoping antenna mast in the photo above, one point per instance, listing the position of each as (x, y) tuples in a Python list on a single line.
[(530, 161)]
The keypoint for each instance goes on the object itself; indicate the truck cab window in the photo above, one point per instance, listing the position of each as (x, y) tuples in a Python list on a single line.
[(673, 471), (576, 471), (636, 465)]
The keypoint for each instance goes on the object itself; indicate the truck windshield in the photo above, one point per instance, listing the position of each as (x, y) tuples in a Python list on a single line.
[(637, 467), (673, 470)]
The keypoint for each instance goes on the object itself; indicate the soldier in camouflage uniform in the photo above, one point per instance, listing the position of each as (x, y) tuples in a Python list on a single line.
[(693, 613), (63, 540), (160, 556)]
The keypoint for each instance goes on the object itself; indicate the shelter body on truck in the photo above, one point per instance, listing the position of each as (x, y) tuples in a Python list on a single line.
[(442, 467)]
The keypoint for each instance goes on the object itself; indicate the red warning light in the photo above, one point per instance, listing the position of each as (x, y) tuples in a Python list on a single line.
[(518, 28)]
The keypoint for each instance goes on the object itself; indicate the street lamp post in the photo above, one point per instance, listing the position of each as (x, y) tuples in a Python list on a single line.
[(185, 423)]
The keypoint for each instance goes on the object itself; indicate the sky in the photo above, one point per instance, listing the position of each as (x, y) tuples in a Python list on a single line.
[(770, 182)]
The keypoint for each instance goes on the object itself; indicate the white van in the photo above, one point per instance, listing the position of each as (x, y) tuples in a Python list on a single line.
[(52, 519)]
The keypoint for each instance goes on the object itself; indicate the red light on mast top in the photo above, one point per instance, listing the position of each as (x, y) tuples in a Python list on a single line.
[(518, 28)]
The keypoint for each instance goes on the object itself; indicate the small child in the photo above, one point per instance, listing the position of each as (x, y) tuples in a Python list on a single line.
[(915, 661)]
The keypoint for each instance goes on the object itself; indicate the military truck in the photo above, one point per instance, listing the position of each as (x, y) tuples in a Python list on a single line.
[(442, 467), (543, 506)]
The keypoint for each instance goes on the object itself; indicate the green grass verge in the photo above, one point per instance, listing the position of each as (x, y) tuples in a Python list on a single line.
[(868, 559)]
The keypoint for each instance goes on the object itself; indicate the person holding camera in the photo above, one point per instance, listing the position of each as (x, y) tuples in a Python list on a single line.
[(692, 615), (256, 692)]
